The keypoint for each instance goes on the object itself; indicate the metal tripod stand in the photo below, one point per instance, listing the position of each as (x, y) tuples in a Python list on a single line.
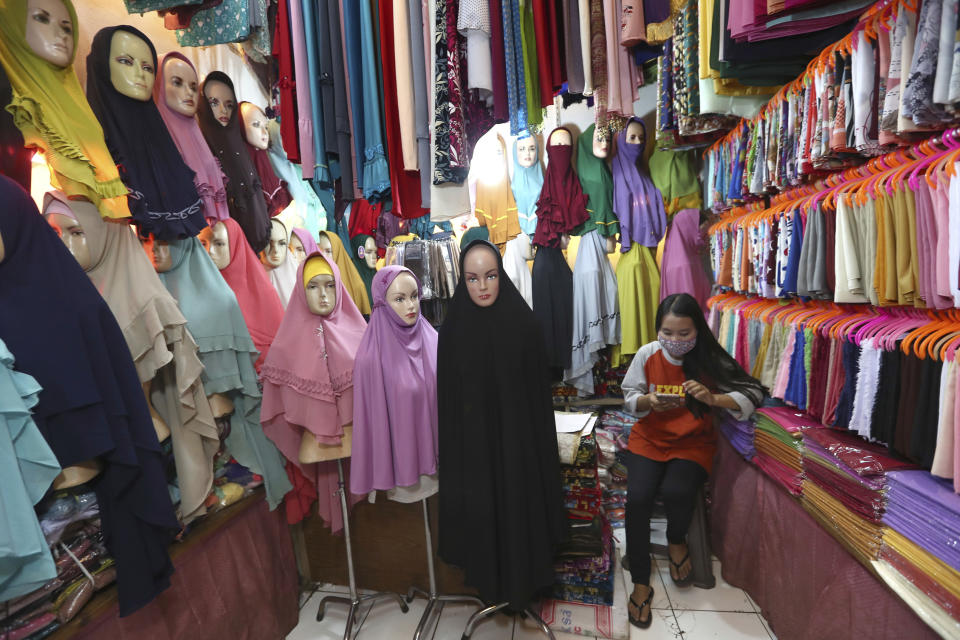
[(482, 614)]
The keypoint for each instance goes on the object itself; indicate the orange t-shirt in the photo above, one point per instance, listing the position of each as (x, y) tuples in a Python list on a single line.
[(676, 433)]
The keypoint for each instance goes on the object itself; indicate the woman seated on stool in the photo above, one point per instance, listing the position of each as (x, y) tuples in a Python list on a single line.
[(673, 386)]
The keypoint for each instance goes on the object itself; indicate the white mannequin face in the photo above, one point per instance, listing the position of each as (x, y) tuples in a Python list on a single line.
[(159, 253), (601, 143), (527, 151), (216, 241), (296, 248), (370, 253), (482, 276), (222, 101), (564, 241), (132, 71), (275, 253), (180, 87), (561, 137), (73, 237), (325, 246), (635, 133), (322, 294), (49, 31), (255, 125), (404, 298)]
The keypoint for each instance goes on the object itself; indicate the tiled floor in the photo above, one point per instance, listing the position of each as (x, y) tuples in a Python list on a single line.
[(722, 613)]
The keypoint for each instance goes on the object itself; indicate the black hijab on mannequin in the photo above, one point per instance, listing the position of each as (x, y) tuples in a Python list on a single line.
[(244, 190), (62, 333), (501, 511), (163, 198)]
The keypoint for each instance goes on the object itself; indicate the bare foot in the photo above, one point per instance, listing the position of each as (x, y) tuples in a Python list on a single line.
[(677, 554), (640, 593)]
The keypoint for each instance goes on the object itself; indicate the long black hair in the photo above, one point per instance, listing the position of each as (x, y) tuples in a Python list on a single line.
[(708, 362)]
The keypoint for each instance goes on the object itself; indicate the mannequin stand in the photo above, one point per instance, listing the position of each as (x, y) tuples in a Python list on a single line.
[(355, 600), (480, 615), (434, 600)]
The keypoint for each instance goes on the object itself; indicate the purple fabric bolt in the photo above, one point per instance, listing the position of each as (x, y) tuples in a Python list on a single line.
[(395, 397), (636, 200)]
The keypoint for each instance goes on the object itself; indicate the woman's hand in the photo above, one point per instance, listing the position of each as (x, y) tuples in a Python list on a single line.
[(700, 392), (660, 403)]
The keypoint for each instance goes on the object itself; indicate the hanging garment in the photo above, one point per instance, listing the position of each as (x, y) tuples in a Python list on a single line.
[(395, 397), (84, 367), (54, 117), (227, 352), (638, 284), (496, 209), (230, 21), (674, 174), (596, 311), (29, 467), (562, 205), (333, 62), (375, 183), (531, 72), (244, 188), (526, 184), (259, 302), (308, 384), (275, 193), (306, 204), (163, 350), (597, 184), (515, 64), (208, 177), (682, 270), (515, 264), (637, 202), (304, 123), (163, 199), (553, 303), (323, 175), (351, 278), (496, 429), (286, 80)]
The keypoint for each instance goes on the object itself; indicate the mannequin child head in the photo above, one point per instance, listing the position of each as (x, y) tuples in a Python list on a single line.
[(222, 101)]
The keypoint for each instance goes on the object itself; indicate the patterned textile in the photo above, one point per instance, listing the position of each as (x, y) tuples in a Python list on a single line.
[(513, 50), (598, 47), (228, 22)]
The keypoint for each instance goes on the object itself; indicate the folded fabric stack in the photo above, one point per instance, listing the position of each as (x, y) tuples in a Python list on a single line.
[(778, 444), (740, 434), (920, 557), (613, 433)]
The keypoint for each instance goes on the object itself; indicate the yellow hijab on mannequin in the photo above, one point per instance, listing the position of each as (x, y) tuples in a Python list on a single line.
[(52, 113)]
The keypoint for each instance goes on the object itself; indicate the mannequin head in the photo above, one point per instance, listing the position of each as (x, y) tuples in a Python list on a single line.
[(482, 275), (276, 252), (527, 151), (50, 31), (254, 125), (561, 136), (635, 133), (370, 252), (222, 101), (323, 243), (320, 286), (601, 142), (133, 68), (73, 237), (564, 241), (180, 86), (1, 249), (403, 296), (216, 241), (297, 249), (159, 253)]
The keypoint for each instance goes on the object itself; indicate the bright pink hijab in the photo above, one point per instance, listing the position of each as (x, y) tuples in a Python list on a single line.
[(259, 301), (682, 270), (308, 383), (193, 148), (308, 241)]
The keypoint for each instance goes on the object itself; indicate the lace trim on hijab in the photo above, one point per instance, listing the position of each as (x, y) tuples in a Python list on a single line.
[(312, 388)]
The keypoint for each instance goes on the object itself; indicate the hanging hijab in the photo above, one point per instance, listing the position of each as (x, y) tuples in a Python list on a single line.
[(259, 302), (597, 183), (308, 381), (367, 274), (274, 189), (283, 277), (53, 115), (227, 352), (526, 185), (64, 335), (682, 270), (208, 177), (562, 204), (156, 336), (395, 397), (244, 190), (637, 202), (496, 430), (163, 199), (305, 199), (351, 277)]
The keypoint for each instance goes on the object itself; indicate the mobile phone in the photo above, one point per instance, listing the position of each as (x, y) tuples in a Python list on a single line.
[(669, 396)]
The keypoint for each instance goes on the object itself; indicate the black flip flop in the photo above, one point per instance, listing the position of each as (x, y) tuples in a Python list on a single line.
[(676, 565), (636, 621)]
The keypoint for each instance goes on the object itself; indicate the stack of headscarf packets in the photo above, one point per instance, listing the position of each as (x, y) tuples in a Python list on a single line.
[(739, 433), (777, 441), (920, 557)]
